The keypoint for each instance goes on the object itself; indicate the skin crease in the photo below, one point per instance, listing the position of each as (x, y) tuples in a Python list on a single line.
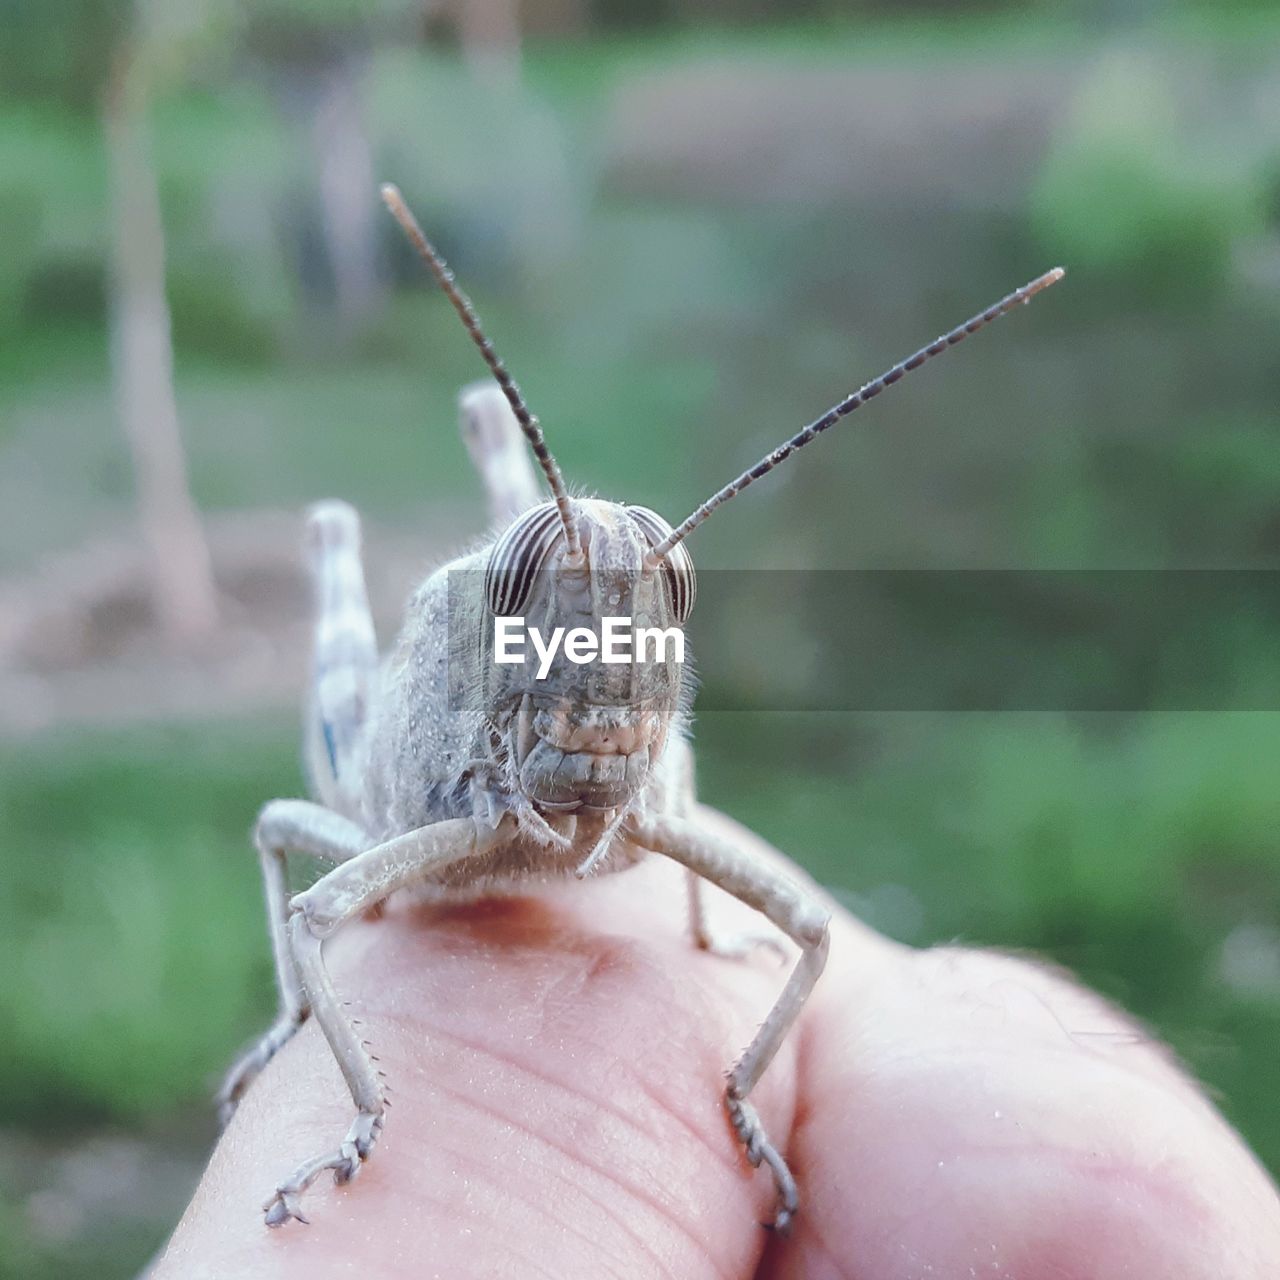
[(555, 1065)]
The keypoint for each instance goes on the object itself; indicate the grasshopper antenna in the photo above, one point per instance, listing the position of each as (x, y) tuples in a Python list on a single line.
[(849, 404), (394, 201)]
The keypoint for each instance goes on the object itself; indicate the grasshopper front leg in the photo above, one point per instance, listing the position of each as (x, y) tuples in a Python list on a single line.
[(283, 827), (802, 919), (317, 914)]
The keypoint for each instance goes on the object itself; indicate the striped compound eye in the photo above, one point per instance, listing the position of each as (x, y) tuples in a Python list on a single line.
[(518, 556), (677, 565)]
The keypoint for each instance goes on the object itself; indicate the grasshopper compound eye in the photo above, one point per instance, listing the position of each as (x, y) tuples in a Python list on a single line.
[(677, 564), (518, 556)]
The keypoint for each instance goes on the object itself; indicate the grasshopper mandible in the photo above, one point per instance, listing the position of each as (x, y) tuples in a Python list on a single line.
[(519, 779)]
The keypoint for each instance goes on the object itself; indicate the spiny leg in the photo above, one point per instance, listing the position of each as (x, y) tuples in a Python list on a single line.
[(284, 826), (344, 660), (358, 1070), (801, 918), (316, 915), (499, 451)]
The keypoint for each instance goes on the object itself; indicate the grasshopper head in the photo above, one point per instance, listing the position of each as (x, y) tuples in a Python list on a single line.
[(585, 653)]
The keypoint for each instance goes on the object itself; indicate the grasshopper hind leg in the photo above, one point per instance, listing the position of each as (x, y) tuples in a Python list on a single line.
[(498, 449), (344, 661)]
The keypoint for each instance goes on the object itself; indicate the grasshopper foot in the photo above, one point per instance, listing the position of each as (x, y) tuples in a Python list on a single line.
[(345, 1163), (738, 946), (760, 1150), (281, 1207)]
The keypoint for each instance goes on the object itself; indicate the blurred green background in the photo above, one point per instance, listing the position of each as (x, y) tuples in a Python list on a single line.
[(690, 225)]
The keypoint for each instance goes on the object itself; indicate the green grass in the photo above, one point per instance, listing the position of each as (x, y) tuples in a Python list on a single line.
[(132, 933)]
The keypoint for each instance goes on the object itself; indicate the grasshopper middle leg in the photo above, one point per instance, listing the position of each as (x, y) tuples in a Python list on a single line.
[(802, 919), (732, 946), (680, 802)]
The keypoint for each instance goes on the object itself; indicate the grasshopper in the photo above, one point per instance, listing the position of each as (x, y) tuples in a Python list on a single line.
[(515, 779)]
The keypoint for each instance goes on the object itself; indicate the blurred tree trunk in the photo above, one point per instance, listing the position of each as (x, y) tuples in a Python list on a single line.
[(489, 31), (554, 17), (517, 18), (348, 204), (182, 585)]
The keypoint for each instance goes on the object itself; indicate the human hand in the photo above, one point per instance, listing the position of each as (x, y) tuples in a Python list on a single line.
[(556, 1066)]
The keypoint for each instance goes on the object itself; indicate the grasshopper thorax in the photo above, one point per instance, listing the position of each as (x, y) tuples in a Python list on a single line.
[(584, 653)]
